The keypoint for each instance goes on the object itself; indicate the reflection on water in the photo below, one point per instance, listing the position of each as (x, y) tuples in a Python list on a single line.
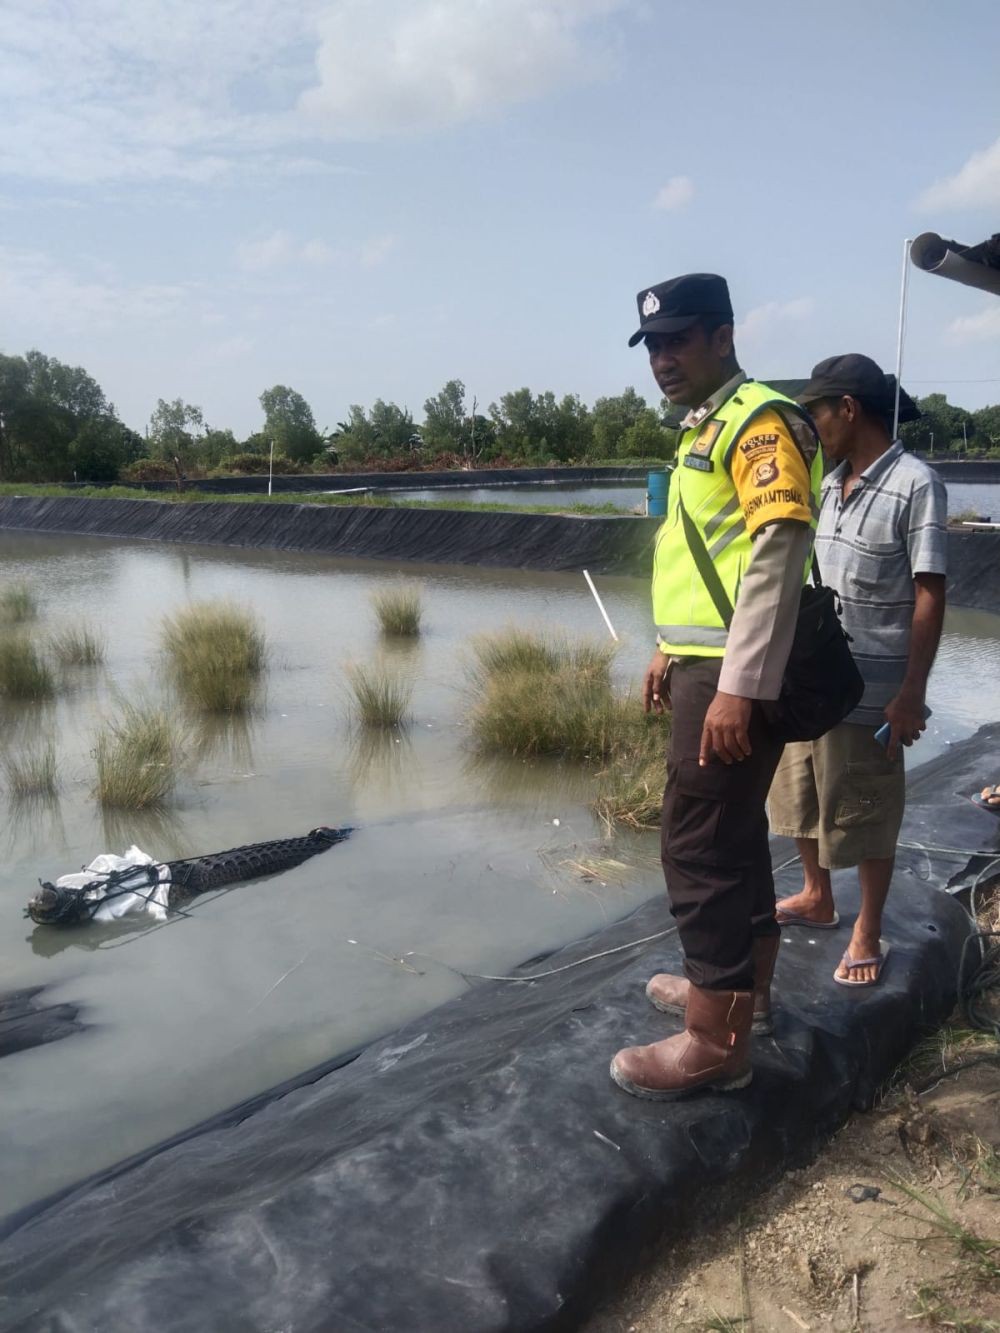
[(477, 862)]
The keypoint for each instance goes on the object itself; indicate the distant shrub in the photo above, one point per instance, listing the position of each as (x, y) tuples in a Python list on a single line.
[(148, 469), (254, 465)]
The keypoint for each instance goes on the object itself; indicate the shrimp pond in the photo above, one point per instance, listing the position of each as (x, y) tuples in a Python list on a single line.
[(457, 861)]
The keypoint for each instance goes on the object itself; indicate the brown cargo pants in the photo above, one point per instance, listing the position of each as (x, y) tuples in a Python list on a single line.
[(713, 837)]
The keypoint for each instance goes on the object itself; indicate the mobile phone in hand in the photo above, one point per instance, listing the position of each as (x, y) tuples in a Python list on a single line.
[(885, 731)]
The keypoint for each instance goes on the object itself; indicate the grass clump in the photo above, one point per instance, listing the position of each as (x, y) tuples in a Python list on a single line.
[(514, 651), (936, 1309), (24, 673), (542, 695), (17, 605), (630, 787), (217, 655), (381, 699), (399, 611), (137, 759), (32, 772), (77, 646)]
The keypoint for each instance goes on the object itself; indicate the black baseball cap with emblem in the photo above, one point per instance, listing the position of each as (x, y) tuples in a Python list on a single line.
[(674, 305)]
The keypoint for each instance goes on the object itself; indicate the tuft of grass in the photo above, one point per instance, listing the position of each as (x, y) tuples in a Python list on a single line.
[(721, 1323), (137, 759), (217, 655), (77, 646), (935, 1308), (381, 699), (32, 772), (514, 651), (556, 713), (17, 604), (399, 610), (978, 1255), (630, 786), (24, 673)]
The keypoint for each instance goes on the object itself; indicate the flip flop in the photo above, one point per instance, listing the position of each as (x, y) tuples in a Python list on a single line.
[(794, 919), (878, 963)]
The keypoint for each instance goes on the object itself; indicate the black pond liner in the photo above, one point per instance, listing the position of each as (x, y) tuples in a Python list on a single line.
[(478, 1170), (435, 536)]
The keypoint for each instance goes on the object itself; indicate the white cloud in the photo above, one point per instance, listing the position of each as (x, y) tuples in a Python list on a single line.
[(374, 251), (975, 185), (981, 327), (40, 296), (771, 317), (177, 89), (402, 67), (280, 249), (677, 193)]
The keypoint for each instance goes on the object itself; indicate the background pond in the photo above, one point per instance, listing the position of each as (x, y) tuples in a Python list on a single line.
[(454, 857)]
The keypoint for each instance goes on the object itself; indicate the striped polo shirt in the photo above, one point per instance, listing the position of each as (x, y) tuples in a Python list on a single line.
[(892, 525)]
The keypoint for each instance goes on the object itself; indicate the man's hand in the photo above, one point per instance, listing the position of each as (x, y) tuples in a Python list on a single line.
[(905, 715), (656, 685), (727, 729)]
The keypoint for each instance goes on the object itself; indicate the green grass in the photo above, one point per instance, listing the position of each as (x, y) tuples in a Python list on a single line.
[(137, 757), (17, 604), (513, 651), (979, 1256), (381, 699), (399, 610), (77, 646), (936, 1309), (374, 500), (24, 673), (630, 786), (217, 655), (32, 772)]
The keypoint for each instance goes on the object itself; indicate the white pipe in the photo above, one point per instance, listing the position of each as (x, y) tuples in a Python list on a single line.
[(930, 253), (600, 605), (899, 337), (270, 469)]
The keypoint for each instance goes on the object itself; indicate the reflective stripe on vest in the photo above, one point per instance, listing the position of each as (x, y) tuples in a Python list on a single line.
[(687, 622)]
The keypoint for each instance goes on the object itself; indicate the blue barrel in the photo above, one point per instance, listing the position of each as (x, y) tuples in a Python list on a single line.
[(657, 486)]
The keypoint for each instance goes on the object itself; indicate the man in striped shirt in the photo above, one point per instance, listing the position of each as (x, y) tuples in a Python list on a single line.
[(882, 544)]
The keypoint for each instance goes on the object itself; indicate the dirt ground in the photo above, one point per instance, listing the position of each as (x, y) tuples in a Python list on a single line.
[(920, 1251)]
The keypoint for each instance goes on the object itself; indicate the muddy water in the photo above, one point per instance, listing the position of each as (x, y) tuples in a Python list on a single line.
[(455, 861), (982, 498)]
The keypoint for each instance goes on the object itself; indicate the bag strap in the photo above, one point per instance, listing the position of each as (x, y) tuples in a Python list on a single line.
[(703, 563), (707, 570)]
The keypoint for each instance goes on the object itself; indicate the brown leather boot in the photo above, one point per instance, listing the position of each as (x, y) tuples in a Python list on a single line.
[(669, 993), (712, 1052)]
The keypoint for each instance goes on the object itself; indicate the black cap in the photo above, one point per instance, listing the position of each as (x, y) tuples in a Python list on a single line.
[(674, 305), (853, 374)]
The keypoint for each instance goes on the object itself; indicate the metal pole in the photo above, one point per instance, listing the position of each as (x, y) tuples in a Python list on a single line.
[(899, 339), (270, 469)]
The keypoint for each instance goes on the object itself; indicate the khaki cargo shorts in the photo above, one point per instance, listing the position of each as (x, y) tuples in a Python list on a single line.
[(843, 791)]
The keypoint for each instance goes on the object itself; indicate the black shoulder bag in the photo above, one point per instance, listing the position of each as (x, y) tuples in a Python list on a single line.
[(821, 684)]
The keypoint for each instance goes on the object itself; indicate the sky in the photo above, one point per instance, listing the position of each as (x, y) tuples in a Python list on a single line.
[(367, 198)]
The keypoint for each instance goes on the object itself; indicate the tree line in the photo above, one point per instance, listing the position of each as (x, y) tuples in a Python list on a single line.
[(56, 424)]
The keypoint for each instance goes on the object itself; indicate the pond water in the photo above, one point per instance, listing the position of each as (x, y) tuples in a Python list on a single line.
[(453, 857), (983, 498)]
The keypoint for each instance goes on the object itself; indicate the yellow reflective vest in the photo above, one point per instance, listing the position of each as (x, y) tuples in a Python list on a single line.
[(687, 622)]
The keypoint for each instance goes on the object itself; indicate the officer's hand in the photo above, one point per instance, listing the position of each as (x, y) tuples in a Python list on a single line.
[(905, 715), (726, 733), (655, 684)]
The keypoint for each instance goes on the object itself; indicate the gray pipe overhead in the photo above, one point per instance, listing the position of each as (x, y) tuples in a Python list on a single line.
[(971, 265)]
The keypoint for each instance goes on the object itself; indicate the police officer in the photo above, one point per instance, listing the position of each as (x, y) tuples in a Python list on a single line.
[(730, 561)]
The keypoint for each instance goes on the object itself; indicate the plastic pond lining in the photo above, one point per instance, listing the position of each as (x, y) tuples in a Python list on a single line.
[(436, 536), (478, 1170)]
